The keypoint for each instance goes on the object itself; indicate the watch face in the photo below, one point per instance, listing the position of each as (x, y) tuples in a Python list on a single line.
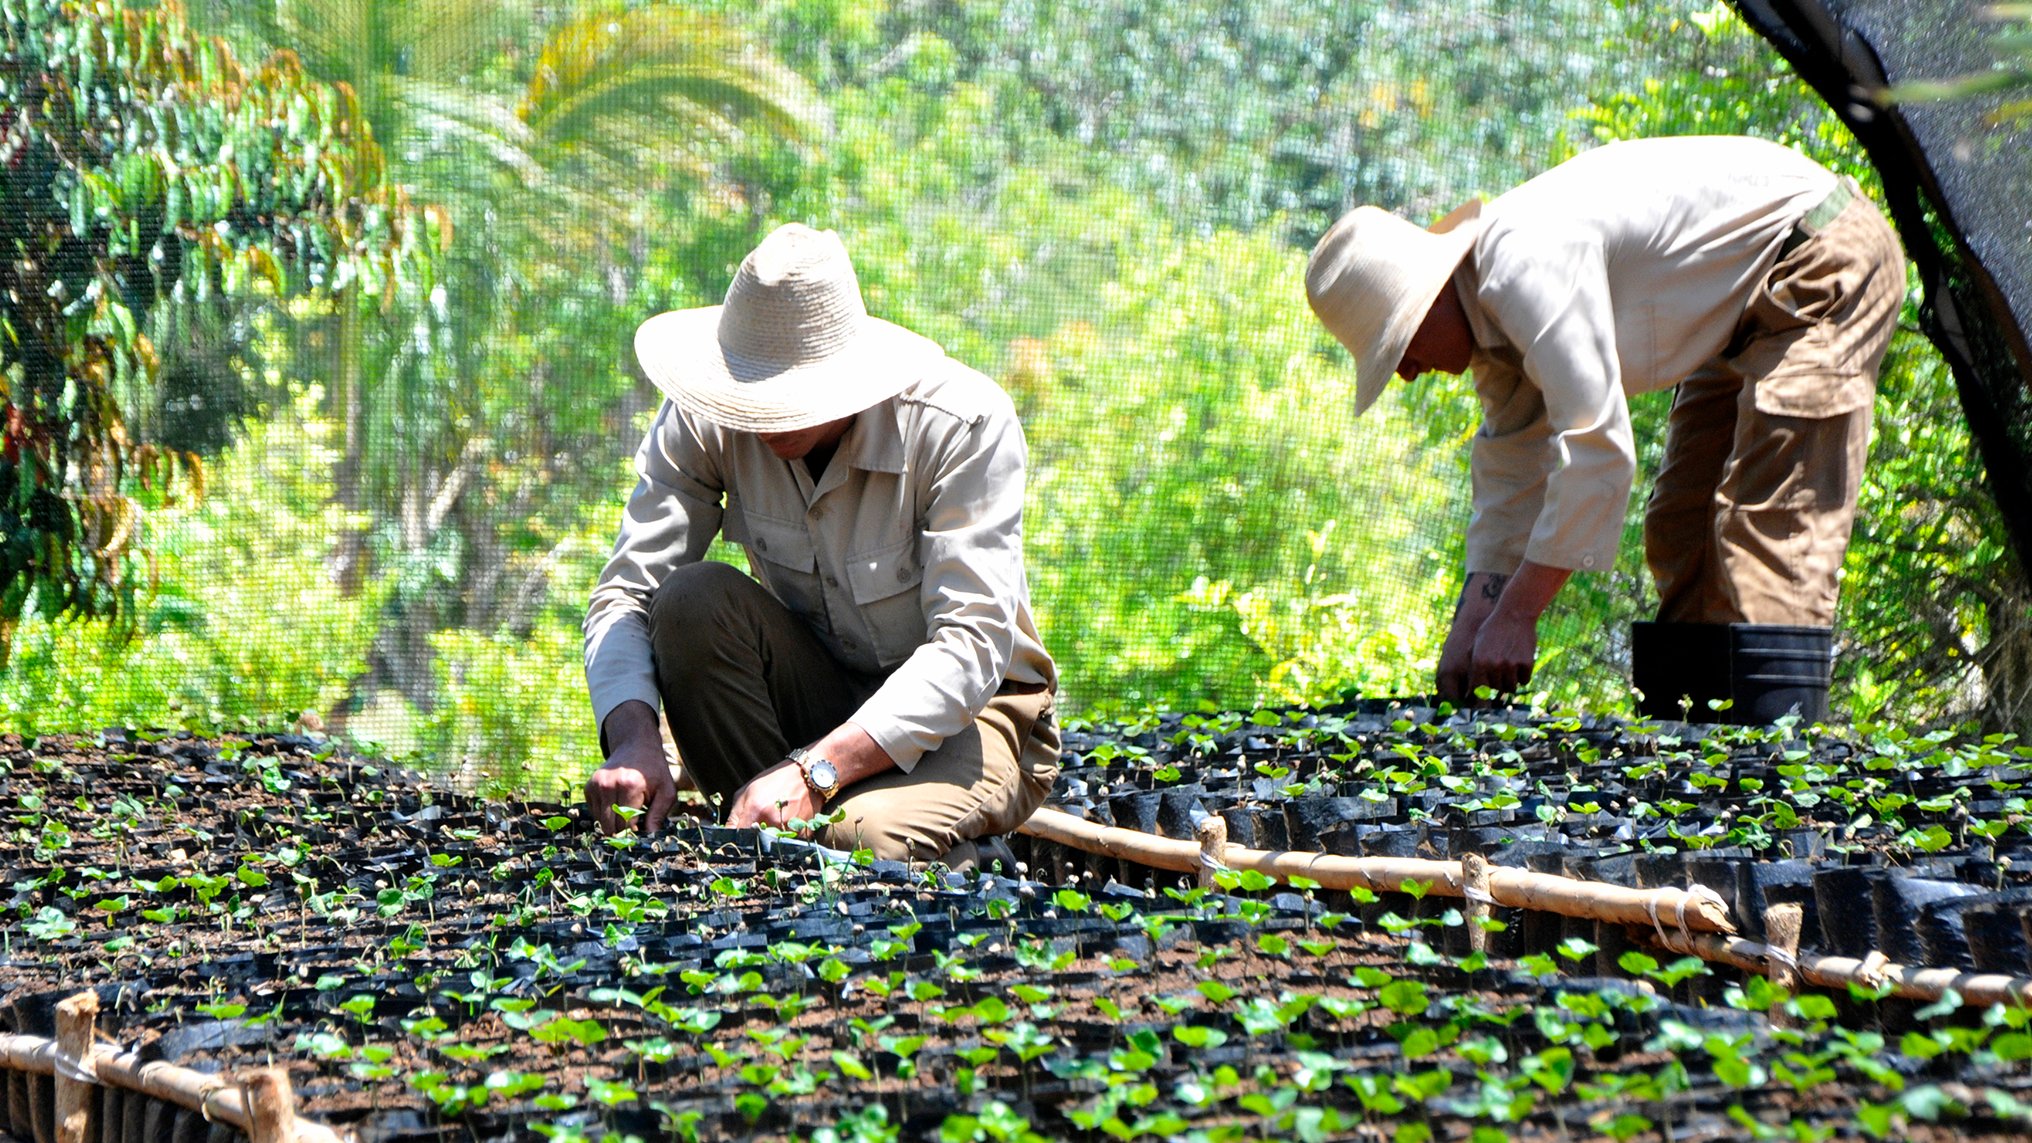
[(824, 776)]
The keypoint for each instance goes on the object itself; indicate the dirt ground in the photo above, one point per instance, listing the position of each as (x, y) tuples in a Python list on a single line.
[(431, 966)]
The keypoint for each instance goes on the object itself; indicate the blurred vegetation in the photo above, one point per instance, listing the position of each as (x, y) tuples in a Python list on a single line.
[(1106, 204), (2008, 76), (150, 182)]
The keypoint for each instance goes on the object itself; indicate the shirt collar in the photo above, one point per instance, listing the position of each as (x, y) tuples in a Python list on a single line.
[(1468, 284), (875, 442)]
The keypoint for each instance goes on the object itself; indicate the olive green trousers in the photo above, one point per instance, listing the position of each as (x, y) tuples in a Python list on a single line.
[(743, 680)]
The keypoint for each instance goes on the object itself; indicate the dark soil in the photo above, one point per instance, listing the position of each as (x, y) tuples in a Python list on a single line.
[(432, 966)]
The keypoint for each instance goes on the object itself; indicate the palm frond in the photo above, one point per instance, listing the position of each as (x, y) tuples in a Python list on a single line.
[(451, 39), (619, 81), (444, 117)]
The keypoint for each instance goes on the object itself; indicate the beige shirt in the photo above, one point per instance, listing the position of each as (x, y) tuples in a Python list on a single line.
[(906, 557), (1618, 272)]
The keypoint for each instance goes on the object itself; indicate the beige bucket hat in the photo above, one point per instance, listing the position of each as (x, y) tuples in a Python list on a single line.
[(792, 347), (1372, 278)]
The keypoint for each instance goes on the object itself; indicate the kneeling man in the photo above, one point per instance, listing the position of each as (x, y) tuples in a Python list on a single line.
[(881, 661)]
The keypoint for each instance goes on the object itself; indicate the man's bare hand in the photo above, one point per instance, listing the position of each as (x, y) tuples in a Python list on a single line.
[(775, 797), (1479, 596), (1505, 651), (1456, 663), (633, 780), (637, 775)]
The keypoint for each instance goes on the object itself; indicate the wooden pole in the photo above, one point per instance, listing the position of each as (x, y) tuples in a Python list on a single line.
[(216, 1099), (1684, 922), (1905, 981), (1213, 848), (1516, 888), (271, 1105), (1475, 887), (77, 1024)]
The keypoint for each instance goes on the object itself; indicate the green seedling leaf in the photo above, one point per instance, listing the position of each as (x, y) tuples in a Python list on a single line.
[(1199, 1036), (1216, 991), (1949, 1003)]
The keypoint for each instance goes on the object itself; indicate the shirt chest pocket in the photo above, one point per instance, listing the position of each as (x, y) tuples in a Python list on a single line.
[(886, 584), (782, 556)]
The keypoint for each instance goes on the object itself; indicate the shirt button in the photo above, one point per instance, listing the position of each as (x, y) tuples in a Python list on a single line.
[(817, 511), (832, 581), (761, 543), (903, 575)]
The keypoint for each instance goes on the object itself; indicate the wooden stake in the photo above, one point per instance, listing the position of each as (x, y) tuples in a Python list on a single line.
[(1781, 926), (1782, 923), (1213, 848), (271, 1106), (1475, 887), (77, 1024)]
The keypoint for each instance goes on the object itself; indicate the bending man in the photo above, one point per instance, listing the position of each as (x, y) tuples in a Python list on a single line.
[(882, 661), (1759, 283)]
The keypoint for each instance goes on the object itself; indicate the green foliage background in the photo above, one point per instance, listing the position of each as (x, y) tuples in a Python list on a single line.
[(1106, 204)]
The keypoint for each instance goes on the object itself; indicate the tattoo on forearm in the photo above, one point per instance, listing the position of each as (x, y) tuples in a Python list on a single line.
[(1491, 588)]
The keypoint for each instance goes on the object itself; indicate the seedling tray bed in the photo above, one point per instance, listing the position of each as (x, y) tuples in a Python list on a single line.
[(425, 965), (1889, 835)]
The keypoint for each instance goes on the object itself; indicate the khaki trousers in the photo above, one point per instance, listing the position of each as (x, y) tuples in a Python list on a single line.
[(743, 680), (1764, 453)]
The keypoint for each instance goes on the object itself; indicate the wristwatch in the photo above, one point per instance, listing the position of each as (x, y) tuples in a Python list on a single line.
[(820, 774)]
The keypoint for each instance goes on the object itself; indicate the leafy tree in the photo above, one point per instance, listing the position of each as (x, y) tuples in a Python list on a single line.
[(205, 651), (553, 139), (1280, 113), (143, 169)]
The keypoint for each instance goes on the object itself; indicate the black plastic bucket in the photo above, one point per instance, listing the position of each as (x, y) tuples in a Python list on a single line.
[(1775, 670), (1671, 663)]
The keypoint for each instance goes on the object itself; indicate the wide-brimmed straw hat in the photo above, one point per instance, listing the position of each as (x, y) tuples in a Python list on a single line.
[(792, 347), (1373, 277)]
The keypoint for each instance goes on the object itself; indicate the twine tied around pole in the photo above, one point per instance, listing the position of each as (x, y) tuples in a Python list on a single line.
[(1212, 832), (1692, 893)]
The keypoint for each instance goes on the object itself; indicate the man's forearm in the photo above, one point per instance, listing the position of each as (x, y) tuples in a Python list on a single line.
[(1478, 598), (1525, 595), (631, 723), (854, 753)]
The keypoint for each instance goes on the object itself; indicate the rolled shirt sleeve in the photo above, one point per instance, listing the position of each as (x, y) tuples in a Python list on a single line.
[(969, 474), (1562, 438), (1506, 462), (670, 520)]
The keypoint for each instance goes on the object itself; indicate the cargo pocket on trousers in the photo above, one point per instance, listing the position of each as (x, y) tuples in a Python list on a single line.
[(1790, 347)]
